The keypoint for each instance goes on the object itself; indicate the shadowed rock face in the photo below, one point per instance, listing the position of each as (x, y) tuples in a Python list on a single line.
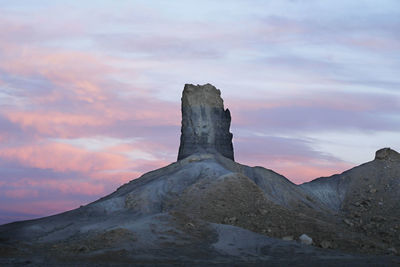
[(387, 154), (205, 122)]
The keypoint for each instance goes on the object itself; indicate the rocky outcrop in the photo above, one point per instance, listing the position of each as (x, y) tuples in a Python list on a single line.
[(387, 154), (367, 198), (205, 122), (198, 210)]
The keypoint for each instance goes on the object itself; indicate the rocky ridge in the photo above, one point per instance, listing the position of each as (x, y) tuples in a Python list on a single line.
[(367, 198)]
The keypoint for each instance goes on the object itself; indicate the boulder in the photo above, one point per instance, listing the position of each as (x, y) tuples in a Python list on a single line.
[(287, 238), (305, 239), (326, 244)]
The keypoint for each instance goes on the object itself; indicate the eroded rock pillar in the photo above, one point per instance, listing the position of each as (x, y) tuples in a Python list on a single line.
[(205, 122)]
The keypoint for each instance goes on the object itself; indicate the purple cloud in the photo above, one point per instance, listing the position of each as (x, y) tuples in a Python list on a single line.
[(76, 88)]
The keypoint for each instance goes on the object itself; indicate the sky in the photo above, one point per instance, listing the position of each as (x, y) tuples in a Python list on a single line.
[(90, 90)]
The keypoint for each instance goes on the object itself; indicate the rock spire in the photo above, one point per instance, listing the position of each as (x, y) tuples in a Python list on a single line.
[(205, 122)]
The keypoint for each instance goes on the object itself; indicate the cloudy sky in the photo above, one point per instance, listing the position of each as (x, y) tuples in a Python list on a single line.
[(90, 90)]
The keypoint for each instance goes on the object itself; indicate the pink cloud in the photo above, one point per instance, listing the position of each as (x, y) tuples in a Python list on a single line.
[(21, 193), (46, 122), (57, 65), (117, 178), (43, 207), (74, 187), (64, 157), (144, 145), (348, 101), (81, 82), (293, 158), (300, 172), (63, 93), (94, 186), (298, 169)]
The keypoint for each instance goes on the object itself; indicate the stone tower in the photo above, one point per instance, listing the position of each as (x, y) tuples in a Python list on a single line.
[(205, 122)]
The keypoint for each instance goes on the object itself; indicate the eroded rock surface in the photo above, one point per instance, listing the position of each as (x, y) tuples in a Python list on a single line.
[(387, 154), (205, 122), (205, 209), (367, 198)]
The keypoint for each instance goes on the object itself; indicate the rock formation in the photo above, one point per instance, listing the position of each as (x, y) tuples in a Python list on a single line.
[(206, 209), (205, 123), (387, 154)]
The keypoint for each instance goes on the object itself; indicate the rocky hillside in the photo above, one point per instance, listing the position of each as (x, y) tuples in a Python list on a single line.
[(367, 197), (207, 209)]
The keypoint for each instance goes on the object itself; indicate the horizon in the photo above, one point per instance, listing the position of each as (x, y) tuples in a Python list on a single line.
[(90, 92)]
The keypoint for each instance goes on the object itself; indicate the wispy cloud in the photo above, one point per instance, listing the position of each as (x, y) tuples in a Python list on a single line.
[(294, 158), (90, 99)]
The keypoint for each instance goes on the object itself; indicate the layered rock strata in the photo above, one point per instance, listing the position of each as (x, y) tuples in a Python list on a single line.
[(205, 122)]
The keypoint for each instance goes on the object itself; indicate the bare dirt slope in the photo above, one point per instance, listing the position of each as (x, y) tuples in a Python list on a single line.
[(367, 197)]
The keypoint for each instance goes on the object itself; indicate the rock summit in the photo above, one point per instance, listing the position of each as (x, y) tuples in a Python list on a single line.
[(387, 154), (205, 122)]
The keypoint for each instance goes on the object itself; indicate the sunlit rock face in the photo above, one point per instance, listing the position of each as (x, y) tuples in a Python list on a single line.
[(205, 122)]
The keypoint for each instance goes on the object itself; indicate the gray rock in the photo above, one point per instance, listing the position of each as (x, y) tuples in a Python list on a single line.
[(305, 239), (326, 244), (230, 220), (378, 219), (205, 122), (340, 191), (348, 222), (387, 154), (288, 238), (373, 190)]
